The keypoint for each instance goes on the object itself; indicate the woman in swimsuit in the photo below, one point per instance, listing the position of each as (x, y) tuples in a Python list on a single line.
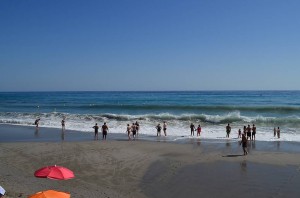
[(165, 128)]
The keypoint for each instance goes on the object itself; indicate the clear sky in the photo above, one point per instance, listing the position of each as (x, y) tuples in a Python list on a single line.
[(101, 45)]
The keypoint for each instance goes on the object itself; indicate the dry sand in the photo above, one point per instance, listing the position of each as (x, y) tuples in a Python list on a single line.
[(149, 169)]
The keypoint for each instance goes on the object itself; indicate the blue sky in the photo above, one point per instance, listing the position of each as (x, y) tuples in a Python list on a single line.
[(60, 45)]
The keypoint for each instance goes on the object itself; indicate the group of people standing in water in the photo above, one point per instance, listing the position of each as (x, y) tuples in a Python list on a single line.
[(104, 130), (158, 129), (132, 131), (248, 134), (164, 127), (63, 123), (249, 131), (193, 129)]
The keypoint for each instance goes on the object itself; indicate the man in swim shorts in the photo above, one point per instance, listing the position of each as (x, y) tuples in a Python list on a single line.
[(137, 125), (228, 130), (134, 130), (104, 131), (248, 132), (253, 132), (192, 126)]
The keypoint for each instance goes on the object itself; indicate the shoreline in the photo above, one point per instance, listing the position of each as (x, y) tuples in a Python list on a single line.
[(17, 133)]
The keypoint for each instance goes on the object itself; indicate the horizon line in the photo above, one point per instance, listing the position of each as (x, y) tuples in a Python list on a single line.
[(233, 90)]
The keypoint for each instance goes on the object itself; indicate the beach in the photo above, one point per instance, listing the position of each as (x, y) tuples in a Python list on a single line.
[(150, 99), (121, 168)]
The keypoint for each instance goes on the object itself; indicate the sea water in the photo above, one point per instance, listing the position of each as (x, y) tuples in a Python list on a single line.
[(213, 110)]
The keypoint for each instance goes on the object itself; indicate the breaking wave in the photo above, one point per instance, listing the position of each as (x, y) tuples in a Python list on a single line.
[(232, 117)]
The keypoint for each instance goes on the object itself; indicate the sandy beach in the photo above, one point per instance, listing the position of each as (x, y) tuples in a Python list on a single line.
[(119, 168), (172, 86)]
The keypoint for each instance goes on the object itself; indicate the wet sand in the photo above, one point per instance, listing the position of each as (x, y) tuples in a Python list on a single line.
[(119, 168)]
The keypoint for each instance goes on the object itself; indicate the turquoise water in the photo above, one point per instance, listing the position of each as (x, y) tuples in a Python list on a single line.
[(211, 109)]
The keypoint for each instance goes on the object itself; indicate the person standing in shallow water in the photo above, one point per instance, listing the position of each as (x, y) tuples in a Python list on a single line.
[(253, 132), (104, 131), (278, 132), (96, 128), (137, 125), (198, 130), (275, 131), (63, 123), (248, 132), (134, 130), (165, 128), (192, 126), (228, 129), (128, 130), (245, 130), (158, 128), (239, 133)]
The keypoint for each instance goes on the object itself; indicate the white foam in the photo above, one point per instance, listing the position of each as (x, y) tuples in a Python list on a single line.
[(176, 128)]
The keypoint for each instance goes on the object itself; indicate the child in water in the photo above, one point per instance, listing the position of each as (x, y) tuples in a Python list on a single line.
[(198, 130), (239, 133)]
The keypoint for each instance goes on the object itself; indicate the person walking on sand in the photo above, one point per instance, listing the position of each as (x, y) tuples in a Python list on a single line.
[(96, 128), (104, 131), (253, 132), (198, 130), (158, 128), (275, 131), (63, 122), (228, 130), (278, 132), (128, 130), (244, 143), (239, 133), (165, 128), (134, 130), (192, 126), (36, 122)]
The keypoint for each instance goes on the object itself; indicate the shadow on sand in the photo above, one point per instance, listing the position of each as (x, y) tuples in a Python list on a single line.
[(232, 155)]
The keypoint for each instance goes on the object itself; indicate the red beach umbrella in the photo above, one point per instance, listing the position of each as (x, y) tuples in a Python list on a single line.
[(50, 194), (54, 172)]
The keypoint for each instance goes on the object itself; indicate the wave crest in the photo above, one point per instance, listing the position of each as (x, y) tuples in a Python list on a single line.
[(232, 117)]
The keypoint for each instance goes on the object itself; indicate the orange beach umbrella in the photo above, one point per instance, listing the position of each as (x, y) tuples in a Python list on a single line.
[(50, 194), (54, 172)]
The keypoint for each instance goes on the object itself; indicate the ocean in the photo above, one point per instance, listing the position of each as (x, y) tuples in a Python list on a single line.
[(211, 109)]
